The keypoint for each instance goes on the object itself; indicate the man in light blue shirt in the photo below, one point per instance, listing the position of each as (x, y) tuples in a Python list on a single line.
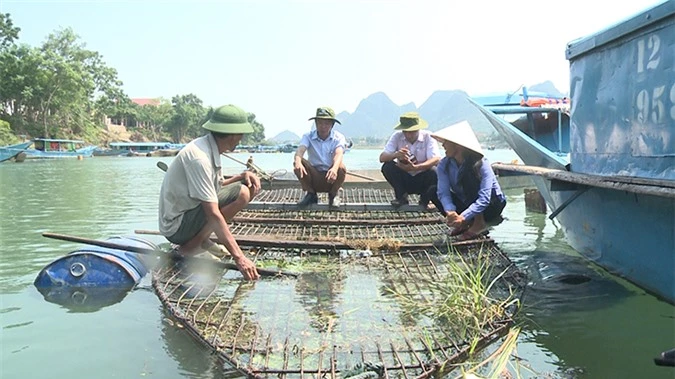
[(468, 194), (323, 170)]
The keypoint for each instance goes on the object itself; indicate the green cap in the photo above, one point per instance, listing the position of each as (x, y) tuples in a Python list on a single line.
[(325, 113), (411, 121), (229, 119)]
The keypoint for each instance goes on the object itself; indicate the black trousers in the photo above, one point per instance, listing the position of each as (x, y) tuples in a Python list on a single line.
[(492, 212), (404, 183)]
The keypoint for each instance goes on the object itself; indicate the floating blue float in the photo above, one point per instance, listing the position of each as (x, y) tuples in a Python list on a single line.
[(94, 276)]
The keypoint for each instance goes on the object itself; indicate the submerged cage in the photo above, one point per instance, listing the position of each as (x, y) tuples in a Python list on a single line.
[(377, 295)]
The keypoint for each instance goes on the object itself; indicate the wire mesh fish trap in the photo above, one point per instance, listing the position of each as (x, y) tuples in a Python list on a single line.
[(316, 231), (392, 216), (368, 218), (357, 195), (346, 314)]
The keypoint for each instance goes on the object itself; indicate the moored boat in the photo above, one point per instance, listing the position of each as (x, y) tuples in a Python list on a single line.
[(11, 151), (59, 148), (143, 149), (615, 196)]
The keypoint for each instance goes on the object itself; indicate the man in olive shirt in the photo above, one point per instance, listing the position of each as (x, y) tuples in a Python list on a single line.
[(196, 201)]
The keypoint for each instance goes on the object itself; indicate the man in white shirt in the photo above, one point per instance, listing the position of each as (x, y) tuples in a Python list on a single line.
[(409, 160), (323, 170), (195, 200)]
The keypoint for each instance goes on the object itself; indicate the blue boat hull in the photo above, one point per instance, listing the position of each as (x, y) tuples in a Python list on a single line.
[(93, 276), (85, 152), (622, 127), (9, 152), (626, 233), (629, 234)]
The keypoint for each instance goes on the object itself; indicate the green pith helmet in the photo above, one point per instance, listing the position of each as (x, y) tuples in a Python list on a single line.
[(325, 113), (229, 119), (411, 121)]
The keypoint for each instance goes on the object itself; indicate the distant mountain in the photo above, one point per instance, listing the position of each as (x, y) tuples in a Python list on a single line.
[(285, 137), (376, 115), (444, 108), (342, 115), (372, 117)]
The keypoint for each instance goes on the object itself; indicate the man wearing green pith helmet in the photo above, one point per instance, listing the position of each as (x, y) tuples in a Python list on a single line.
[(323, 170), (196, 201)]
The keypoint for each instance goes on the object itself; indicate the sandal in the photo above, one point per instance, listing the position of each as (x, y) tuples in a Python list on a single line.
[(468, 236), (454, 232)]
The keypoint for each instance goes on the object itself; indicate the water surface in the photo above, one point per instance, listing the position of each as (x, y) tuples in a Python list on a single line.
[(603, 328)]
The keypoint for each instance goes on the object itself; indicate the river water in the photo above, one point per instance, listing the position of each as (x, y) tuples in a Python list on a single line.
[(602, 328)]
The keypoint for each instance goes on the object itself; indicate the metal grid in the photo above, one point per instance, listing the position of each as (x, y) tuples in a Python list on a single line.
[(368, 224), (253, 326), (348, 195), (321, 216), (416, 233)]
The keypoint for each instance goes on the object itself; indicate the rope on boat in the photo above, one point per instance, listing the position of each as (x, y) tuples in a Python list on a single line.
[(262, 174)]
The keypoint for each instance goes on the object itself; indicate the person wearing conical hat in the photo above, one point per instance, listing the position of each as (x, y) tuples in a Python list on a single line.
[(196, 201), (468, 194), (409, 160), (323, 170)]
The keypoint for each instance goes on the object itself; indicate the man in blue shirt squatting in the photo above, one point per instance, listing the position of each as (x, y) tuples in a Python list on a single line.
[(323, 170), (195, 200), (467, 193), (409, 160)]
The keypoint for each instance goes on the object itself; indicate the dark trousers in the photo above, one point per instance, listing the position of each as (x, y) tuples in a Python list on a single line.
[(315, 180), (404, 183), (491, 213)]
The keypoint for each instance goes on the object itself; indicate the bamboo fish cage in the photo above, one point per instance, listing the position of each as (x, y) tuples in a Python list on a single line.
[(370, 300)]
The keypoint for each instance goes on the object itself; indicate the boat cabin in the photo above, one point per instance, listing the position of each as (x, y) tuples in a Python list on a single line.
[(49, 144), (139, 147)]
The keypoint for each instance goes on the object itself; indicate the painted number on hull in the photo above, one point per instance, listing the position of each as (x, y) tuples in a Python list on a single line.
[(652, 48), (652, 104), (655, 113)]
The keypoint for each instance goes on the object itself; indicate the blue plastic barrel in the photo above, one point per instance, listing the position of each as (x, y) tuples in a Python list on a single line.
[(93, 275)]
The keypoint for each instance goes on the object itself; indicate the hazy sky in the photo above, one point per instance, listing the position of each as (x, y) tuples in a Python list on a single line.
[(282, 59)]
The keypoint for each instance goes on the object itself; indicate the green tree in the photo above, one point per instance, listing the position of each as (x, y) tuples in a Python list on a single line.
[(20, 75), (6, 135), (258, 134), (60, 89), (188, 113), (156, 118), (68, 83), (8, 32)]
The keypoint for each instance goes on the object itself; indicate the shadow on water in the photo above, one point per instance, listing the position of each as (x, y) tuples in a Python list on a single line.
[(579, 321), (194, 359), (560, 283)]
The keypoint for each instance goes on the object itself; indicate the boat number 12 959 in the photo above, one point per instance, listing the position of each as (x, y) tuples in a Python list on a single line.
[(655, 104)]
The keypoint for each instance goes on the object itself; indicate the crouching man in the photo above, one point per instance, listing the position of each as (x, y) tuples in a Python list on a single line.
[(196, 201), (409, 160), (323, 170)]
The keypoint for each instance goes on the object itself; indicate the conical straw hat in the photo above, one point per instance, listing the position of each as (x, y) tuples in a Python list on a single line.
[(461, 134)]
